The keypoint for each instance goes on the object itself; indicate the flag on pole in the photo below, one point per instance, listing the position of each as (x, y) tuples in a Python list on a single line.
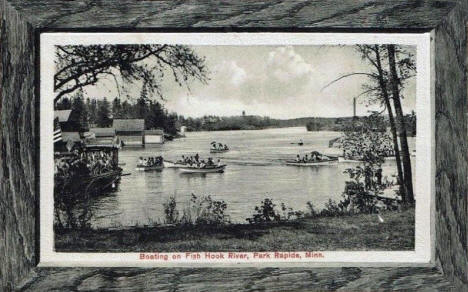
[(57, 131)]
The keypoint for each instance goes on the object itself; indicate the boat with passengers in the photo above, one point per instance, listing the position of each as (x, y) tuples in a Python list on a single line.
[(150, 163), (315, 158), (218, 147)]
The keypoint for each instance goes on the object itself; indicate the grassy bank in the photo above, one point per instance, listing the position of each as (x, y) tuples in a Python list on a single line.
[(356, 232)]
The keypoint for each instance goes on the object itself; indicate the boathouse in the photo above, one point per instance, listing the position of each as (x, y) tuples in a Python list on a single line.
[(131, 132), (154, 137), (103, 136)]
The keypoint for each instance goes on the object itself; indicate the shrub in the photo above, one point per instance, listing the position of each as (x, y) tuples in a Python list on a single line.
[(333, 209), (72, 205), (204, 210), (170, 211), (311, 210), (267, 212)]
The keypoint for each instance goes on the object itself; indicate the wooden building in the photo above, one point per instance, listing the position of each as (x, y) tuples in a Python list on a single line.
[(103, 136), (131, 132), (154, 137)]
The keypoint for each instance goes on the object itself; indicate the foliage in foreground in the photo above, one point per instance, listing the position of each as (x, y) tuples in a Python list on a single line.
[(202, 210)]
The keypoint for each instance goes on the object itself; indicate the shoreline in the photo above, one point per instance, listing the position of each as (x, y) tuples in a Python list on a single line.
[(348, 232)]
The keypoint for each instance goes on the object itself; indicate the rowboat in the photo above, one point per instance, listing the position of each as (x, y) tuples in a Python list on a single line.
[(172, 164), (194, 169), (218, 150), (312, 163), (141, 167)]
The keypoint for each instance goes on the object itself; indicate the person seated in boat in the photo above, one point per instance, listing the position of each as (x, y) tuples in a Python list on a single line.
[(197, 157), (313, 157), (306, 158), (210, 162), (226, 147), (181, 160), (298, 158), (202, 164), (220, 146), (213, 146), (219, 162)]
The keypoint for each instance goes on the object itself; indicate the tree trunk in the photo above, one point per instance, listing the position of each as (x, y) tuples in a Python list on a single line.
[(394, 83), (391, 119)]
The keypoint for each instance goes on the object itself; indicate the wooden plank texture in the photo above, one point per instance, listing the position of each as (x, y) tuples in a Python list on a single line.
[(239, 14), (17, 147), (19, 122), (240, 279), (451, 146)]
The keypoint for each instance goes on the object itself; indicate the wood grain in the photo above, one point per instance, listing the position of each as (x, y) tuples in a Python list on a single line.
[(451, 146), (239, 279), (17, 147), (235, 14), (21, 19)]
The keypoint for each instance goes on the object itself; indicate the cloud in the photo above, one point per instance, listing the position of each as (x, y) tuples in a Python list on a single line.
[(285, 65), (231, 72)]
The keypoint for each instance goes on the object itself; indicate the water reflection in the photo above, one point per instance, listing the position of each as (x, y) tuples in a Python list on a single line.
[(255, 170)]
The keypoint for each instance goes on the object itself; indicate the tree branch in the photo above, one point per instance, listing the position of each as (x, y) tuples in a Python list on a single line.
[(348, 75)]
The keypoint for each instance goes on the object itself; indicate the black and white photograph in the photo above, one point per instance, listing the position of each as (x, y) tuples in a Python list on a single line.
[(248, 151), (233, 145)]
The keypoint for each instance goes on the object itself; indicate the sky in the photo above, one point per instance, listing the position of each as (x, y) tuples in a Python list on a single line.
[(276, 81)]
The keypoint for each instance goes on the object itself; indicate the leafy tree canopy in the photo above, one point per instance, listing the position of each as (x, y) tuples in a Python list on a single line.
[(79, 66)]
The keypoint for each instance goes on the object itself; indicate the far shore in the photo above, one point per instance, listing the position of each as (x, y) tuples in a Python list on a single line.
[(349, 233)]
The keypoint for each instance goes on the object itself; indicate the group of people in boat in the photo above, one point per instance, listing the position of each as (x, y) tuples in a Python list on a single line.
[(196, 161), (84, 163), (219, 146), (150, 161), (313, 157)]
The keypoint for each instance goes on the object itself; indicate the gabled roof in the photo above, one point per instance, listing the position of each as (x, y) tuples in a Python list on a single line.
[(103, 132), (154, 132), (129, 125), (62, 115), (71, 136)]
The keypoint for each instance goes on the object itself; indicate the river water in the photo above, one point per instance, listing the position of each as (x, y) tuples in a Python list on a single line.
[(255, 171)]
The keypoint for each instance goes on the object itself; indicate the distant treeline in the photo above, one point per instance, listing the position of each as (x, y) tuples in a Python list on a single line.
[(215, 123), (340, 124), (100, 113)]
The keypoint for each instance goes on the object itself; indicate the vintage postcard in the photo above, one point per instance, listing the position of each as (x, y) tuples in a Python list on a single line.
[(257, 149)]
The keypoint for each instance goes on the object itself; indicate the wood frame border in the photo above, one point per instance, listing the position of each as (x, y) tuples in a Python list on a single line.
[(20, 26)]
